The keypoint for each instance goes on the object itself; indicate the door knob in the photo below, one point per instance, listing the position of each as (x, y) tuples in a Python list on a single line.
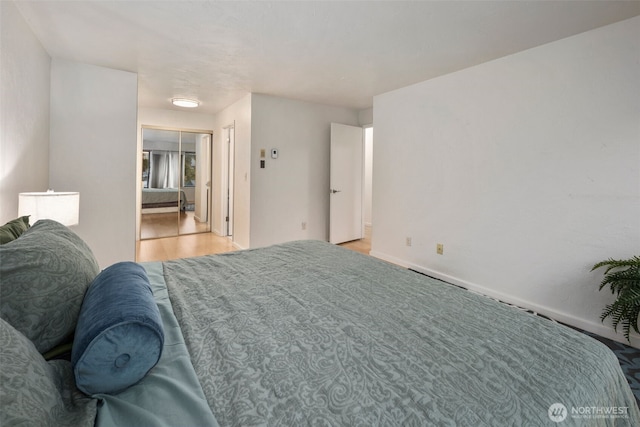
[(332, 191)]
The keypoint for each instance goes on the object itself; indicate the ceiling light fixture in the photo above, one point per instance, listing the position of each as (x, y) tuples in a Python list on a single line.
[(183, 102)]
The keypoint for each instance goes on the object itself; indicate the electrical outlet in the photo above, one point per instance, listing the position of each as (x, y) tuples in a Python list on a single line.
[(440, 248), (408, 241), (304, 225)]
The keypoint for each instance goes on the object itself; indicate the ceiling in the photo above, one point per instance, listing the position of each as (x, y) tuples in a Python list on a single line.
[(332, 52)]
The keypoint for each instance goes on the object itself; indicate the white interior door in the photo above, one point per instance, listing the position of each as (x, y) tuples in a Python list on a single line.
[(345, 217)]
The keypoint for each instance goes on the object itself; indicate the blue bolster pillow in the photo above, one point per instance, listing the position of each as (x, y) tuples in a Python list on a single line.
[(119, 335)]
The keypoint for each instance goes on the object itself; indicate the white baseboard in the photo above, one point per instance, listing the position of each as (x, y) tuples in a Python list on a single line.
[(389, 258), (234, 244), (587, 325)]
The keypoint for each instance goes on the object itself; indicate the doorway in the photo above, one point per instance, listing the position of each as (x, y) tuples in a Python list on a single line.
[(176, 182), (346, 179), (351, 184)]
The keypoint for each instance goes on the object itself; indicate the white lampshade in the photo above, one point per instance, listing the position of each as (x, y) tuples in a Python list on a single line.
[(63, 207)]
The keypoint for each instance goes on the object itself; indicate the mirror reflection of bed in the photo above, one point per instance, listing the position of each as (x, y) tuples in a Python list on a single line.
[(176, 176)]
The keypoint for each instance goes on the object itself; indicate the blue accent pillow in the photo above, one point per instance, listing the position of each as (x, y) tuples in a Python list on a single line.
[(119, 335)]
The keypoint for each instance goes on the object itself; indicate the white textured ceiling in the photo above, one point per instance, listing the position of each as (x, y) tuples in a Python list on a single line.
[(335, 52)]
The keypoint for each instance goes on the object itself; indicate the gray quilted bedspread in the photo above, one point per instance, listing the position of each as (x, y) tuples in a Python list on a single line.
[(307, 333)]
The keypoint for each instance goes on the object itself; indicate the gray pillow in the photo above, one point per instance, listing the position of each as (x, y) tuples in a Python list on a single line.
[(44, 275), (34, 392)]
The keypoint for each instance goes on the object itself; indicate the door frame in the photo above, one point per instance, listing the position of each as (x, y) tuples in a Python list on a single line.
[(228, 180), (139, 182)]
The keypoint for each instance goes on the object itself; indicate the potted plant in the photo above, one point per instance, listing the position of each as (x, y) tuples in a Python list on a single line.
[(623, 277)]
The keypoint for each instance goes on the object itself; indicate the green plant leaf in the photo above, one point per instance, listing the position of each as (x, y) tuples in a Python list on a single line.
[(623, 279)]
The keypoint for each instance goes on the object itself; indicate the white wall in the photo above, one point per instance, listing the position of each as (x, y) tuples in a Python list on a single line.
[(293, 188), (93, 151), (238, 114), (526, 168), (24, 111), (365, 117), (174, 119), (272, 203), (186, 120)]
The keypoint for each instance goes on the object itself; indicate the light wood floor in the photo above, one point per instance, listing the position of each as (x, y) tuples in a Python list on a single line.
[(363, 245), (191, 245), (185, 246), (157, 225)]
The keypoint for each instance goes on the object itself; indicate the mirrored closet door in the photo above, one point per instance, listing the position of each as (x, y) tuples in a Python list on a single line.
[(176, 182)]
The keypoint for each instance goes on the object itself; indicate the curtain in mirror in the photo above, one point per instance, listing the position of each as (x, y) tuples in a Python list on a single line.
[(165, 169)]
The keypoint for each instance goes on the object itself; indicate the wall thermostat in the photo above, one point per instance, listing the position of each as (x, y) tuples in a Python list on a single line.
[(274, 153)]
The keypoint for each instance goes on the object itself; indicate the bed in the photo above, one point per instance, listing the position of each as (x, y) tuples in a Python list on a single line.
[(307, 333), (165, 199)]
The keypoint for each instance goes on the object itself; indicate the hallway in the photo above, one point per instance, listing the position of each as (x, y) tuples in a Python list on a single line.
[(191, 245)]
